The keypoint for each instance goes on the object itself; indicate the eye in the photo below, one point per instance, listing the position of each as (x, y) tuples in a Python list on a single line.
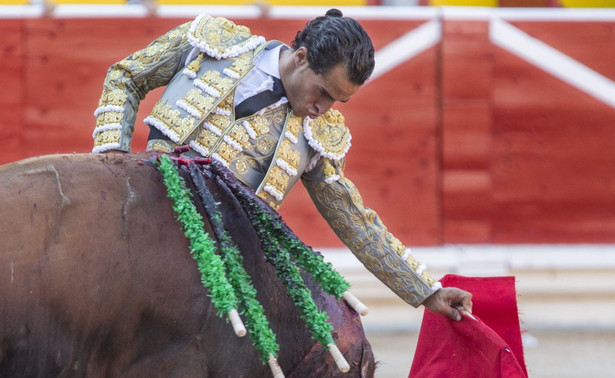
[(325, 94)]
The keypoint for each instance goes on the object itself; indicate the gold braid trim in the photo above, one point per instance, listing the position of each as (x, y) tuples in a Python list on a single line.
[(284, 165), (221, 38), (410, 260), (328, 135)]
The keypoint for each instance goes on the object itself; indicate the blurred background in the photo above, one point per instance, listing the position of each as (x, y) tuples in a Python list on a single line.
[(485, 140)]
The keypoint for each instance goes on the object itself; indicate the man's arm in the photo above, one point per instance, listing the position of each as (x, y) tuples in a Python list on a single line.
[(128, 81), (360, 228)]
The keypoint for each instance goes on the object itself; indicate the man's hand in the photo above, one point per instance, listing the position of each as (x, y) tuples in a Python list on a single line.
[(446, 300)]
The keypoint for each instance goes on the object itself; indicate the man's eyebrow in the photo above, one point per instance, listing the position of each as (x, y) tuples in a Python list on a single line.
[(326, 93)]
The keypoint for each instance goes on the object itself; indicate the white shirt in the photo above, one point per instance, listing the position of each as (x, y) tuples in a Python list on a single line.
[(259, 78)]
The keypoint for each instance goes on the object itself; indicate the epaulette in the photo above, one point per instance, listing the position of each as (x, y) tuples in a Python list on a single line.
[(328, 135), (221, 38)]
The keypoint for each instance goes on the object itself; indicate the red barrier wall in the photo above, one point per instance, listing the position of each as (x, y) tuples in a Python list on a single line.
[(12, 98), (527, 158), (463, 142)]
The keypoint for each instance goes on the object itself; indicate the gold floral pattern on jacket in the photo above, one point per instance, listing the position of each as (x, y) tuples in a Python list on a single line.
[(213, 93), (131, 78), (361, 229)]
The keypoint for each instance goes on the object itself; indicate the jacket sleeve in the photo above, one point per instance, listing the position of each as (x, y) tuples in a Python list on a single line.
[(128, 81), (360, 228)]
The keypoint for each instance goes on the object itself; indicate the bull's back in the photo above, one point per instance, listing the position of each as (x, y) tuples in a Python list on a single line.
[(88, 242)]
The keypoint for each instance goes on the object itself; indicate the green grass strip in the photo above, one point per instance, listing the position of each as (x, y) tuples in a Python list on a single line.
[(316, 321), (263, 338), (202, 248), (330, 280)]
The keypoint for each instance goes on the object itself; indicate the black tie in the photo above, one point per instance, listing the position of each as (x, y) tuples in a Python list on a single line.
[(260, 100)]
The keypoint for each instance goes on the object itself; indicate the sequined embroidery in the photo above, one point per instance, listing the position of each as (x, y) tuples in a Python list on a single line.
[(241, 65), (213, 84), (171, 122), (266, 144), (195, 103), (284, 166), (109, 118), (108, 137), (328, 135), (221, 38), (213, 98), (243, 164), (159, 145), (116, 97), (213, 128)]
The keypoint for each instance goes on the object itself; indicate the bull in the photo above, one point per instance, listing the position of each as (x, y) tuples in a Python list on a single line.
[(96, 280)]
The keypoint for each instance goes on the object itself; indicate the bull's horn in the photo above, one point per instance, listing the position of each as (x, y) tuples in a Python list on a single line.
[(240, 329), (355, 303), (339, 359)]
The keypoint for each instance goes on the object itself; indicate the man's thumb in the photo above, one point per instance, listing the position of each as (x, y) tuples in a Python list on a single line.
[(454, 314)]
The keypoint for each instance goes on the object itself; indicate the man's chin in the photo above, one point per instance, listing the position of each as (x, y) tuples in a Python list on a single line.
[(300, 114)]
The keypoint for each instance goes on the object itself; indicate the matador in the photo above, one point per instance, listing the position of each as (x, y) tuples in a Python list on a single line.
[(210, 66)]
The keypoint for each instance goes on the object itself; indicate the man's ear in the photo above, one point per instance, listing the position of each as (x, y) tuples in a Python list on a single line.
[(301, 56)]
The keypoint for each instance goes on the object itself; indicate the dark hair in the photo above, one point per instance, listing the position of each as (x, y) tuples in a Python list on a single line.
[(332, 39)]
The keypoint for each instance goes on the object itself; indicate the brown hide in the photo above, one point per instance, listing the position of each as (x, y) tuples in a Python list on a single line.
[(97, 280)]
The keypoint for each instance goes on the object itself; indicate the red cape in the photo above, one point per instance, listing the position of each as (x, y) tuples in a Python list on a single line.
[(487, 346)]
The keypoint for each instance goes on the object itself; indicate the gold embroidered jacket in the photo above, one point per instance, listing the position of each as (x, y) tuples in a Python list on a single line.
[(269, 151)]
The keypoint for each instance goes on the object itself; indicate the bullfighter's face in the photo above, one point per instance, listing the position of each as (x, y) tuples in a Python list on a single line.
[(311, 94)]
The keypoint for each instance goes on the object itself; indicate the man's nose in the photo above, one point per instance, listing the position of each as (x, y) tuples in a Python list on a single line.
[(323, 105)]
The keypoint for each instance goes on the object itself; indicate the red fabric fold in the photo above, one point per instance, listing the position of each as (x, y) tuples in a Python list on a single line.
[(487, 345)]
